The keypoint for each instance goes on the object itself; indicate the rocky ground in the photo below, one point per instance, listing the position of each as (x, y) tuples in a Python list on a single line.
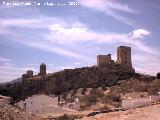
[(152, 112), (145, 113), (9, 112)]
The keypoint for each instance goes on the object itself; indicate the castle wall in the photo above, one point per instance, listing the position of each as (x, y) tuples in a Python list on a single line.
[(103, 60), (29, 73)]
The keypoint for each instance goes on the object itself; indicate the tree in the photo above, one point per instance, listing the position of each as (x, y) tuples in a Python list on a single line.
[(64, 95), (158, 75), (74, 93), (103, 84), (83, 90)]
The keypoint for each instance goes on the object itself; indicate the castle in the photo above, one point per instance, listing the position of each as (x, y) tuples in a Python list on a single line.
[(123, 59), (103, 61), (105, 74), (29, 74)]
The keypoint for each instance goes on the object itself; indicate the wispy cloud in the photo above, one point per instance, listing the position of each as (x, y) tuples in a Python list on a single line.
[(64, 33), (10, 71), (18, 22), (78, 32), (109, 7), (70, 34), (106, 4), (58, 50), (146, 63), (2, 59)]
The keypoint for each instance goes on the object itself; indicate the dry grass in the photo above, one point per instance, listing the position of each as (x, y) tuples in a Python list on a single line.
[(146, 113)]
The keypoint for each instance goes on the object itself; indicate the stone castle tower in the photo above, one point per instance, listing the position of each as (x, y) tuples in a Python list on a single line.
[(42, 69), (124, 56), (103, 60)]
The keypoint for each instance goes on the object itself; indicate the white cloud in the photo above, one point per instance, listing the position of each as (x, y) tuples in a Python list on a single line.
[(77, 63), (2, 59), (109, 7), (105, 5), (66, 32), (10, 71), (139, 33), (18, 22), (58, 50), (146, 63), (78, 32), (69, 34)]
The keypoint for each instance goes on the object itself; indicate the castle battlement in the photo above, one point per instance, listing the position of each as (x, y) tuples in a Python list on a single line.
[(123, 58)]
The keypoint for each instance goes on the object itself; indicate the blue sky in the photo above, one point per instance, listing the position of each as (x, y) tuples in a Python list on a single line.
[(72, 36)]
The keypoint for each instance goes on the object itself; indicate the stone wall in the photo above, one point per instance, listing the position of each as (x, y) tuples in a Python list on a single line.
[(103, 60), (134, 103)]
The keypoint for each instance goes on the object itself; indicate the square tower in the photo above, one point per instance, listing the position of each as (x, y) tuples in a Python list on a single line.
[(103, 60), (42, 71), (124, 56)]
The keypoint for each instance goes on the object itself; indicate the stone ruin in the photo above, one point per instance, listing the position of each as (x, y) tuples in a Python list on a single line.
[(29, 74), (123, 64), (123, 60)]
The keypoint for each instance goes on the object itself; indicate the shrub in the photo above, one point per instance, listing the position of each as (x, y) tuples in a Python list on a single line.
[(153, 91), (74, 93), (97, 92), (68, 117), (158, 75), (103, 85), (112, 98), (92, 98), (83, 91), (93, 91), (64, 95)]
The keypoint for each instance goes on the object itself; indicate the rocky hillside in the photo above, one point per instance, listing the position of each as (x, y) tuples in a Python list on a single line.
[(9, 112), (66, 80), (137, 85)]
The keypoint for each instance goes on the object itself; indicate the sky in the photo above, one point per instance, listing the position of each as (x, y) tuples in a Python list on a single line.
[(71, 33)]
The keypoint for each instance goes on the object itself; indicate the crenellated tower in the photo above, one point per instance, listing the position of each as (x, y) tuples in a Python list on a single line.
[(124, 56)]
